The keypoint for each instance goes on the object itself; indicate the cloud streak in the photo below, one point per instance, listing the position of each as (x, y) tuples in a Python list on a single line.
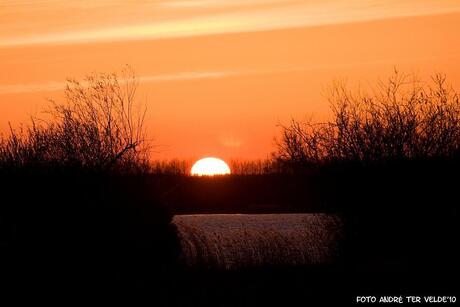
[(56, 86), (200, 17), (51, 86)]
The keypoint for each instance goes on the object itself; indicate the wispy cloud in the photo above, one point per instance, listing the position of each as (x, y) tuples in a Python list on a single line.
[(161, 19), (189, 76), (56, 86), (31, 87), (50, 86), (186, 4)]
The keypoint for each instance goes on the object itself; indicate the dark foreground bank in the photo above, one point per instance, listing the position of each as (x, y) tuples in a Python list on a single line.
[(74, 233)]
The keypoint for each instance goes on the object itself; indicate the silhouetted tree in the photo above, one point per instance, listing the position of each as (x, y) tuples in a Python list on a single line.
[(401, 120), (99, 126)]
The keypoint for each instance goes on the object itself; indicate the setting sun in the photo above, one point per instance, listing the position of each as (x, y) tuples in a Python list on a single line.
[(210, 167)]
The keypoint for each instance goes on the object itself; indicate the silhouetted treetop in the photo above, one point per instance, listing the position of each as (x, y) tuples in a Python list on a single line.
[(99, 125), (403, 119)]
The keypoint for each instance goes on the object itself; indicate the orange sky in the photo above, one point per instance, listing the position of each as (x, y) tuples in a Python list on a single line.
[(218, 75)]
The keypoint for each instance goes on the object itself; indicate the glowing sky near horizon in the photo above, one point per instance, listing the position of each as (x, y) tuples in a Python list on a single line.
[(218, 75)]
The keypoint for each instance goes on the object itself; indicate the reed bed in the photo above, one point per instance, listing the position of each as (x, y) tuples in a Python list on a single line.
[(237, 241)]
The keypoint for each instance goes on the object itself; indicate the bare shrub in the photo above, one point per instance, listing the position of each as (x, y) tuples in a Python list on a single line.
[(98, 126), (403, 119), (252, 167), (170, 167)]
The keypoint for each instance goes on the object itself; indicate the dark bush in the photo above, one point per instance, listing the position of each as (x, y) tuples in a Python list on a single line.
[(400, 120), (99, 126)]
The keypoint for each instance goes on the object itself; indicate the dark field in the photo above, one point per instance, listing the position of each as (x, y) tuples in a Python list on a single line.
[(110, 234)]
